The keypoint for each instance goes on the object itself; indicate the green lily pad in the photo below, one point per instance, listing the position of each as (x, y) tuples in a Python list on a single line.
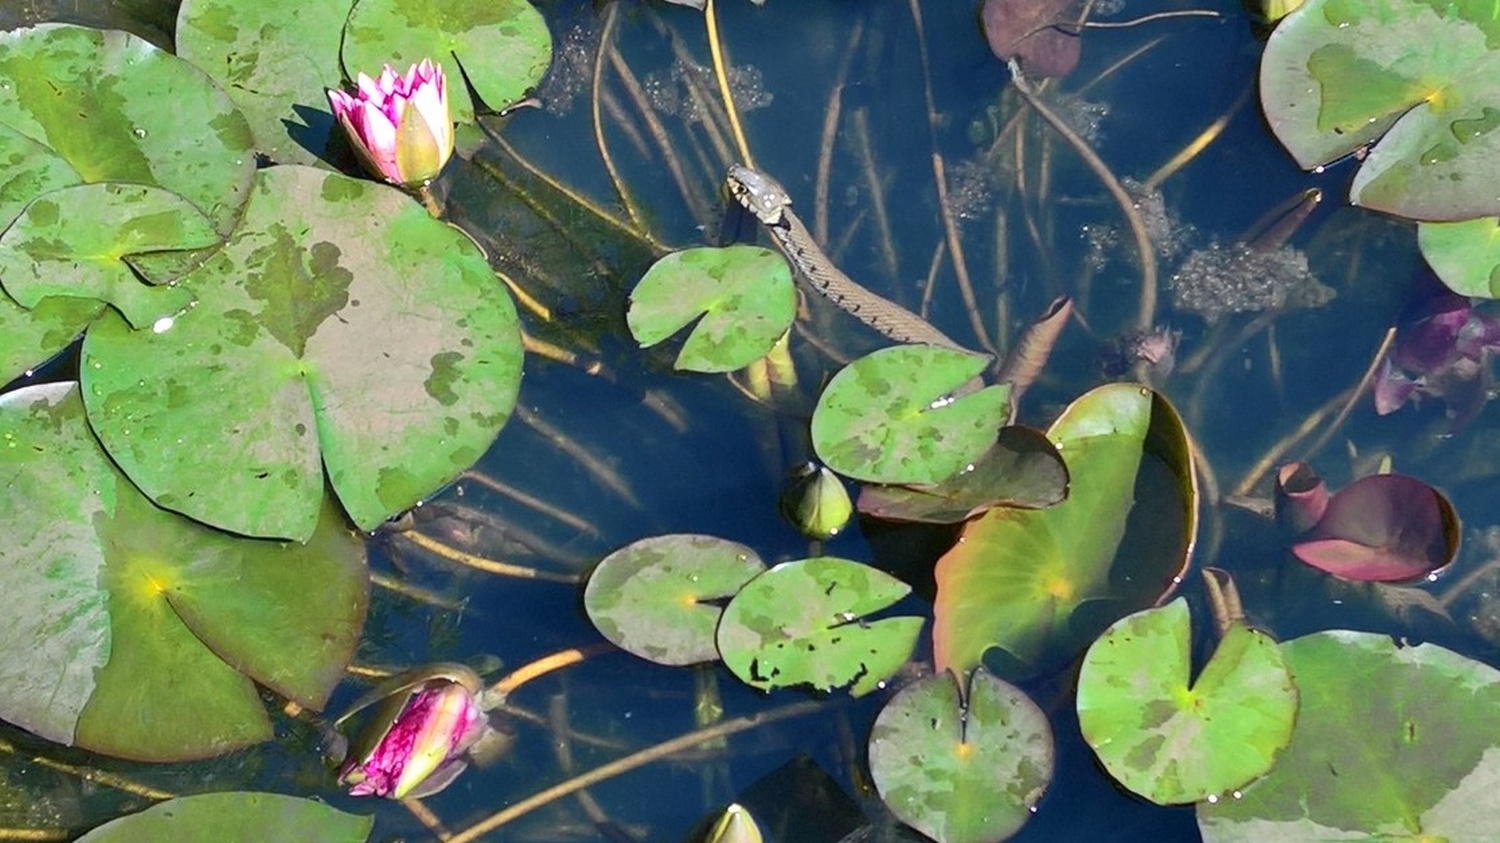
[(1173, 740), (745, 295), (1022, 469), (1465, 255), (1337, 75), (1040, 584), (136, 632), (241, 817), (76, 242), (341, 327), (31, 169), (29, 338), (803, 623), (1391, 743), (888, 417), (654, 597), (115, 108), (275, 60), (503, 46), (961, 768)]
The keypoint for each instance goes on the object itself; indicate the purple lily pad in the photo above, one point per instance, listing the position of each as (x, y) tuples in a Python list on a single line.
[(1028, 31), (1383, 528), (1301, 497)]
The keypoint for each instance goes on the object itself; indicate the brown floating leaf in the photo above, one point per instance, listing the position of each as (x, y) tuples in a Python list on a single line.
[(1029, 32)]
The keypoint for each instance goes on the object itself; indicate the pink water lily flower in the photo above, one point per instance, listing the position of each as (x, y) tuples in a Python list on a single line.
[(399, 125), (416, 746)]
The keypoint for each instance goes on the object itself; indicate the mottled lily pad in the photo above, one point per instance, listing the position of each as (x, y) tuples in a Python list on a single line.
[(341, 327), (1018, 578), (275, 60), (502, 46), (1172, 739), (241, 817), (1391, 743), (656, 597), (803, 623), (744, 295), (135, 632), (962, 768), (890, 416), (78, 241), (1338, 75)]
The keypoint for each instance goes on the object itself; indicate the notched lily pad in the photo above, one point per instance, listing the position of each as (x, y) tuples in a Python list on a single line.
[(804, 623), (1385, 528), (744, 295), (890, 416), (241, 817), (1022, 469), (657, 597), (961, 768), (1465, 254), (1172, 740), (77, 242)]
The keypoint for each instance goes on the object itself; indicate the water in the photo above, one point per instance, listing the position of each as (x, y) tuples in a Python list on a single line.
[(625, 448)]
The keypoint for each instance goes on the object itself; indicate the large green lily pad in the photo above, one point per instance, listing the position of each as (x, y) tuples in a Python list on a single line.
[(503, 46), (1465, 255), (1391, 743), (341, 327), (654, 597), (744, 295), (803, 623), (115, 108), (1017, 579), (1420, 81), (241, 817), (275, 60), (1173, 740), (77, 242), (136, 632), (31, 169), (962, 768), (890, 416)]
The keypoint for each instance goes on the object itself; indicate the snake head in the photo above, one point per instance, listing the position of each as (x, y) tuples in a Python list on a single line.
[(761, 195)]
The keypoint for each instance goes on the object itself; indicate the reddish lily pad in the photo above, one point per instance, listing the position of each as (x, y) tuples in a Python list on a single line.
[(1029, 32), (803, 623), (962, 768), (1301, 496), (1018, 578), (655, 597), (135, 632), (1383, 528)]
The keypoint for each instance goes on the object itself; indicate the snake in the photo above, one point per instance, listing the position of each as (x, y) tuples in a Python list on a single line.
[(769, 202)]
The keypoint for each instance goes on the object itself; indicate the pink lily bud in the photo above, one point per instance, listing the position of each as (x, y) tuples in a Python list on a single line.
[(399, 125), (415, 744)]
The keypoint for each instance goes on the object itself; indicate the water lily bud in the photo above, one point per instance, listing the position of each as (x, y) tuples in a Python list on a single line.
[(399, 125), (735, 825), (816, 502), (416, 743)]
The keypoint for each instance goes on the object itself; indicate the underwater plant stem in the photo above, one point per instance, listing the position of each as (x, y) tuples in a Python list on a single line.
[(699, 207), (1146, 314), (1197, 144), (480, 563), (35, 834), (831, 120), (630, 762), (859, 124), (626, 200), (427, 818), (420, 595), (496, 694), (721, 72), (89, 774), (1354, 395), (1277, 452), (526, 499)]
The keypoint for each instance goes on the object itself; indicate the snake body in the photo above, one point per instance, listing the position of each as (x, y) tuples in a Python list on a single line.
[(764, 197)]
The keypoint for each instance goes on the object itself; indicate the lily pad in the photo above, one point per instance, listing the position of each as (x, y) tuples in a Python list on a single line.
[(77, 242), (1022, 469), (116, 108), (1029, 31), (341, 327), (1017, 579), (1173, 740), (745, 295), (1465, 255), (502, 46), (29, 338), (890, 416), (1391, 743), (236, 818), (136, 632), (31, 169), (275, 60), (961, 768), (1338, 75), (1385, 528), (655, 597), (803, 623)]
